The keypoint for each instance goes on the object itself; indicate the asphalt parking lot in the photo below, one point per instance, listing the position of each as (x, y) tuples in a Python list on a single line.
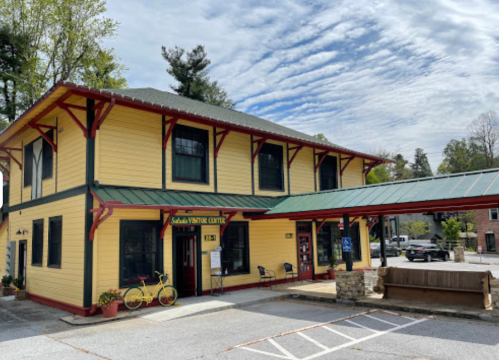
[(283, 330)]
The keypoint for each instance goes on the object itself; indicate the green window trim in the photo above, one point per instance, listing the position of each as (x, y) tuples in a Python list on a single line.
[(37, 245), (271, 167), (54, 256), (190, 155), (158, 253), (328, 176), (224, 240)]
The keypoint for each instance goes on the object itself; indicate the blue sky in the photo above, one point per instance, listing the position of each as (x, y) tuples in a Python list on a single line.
[(368, 74)]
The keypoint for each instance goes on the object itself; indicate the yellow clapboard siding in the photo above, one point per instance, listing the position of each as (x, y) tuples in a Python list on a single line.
[(177, 185), (301, 173), (4, 232), (234, 164), (128, 149), (353, 175), (71, 156), (64, 284)]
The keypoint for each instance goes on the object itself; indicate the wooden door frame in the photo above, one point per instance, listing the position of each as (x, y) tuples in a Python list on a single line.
[(199, 273), (311, 234)]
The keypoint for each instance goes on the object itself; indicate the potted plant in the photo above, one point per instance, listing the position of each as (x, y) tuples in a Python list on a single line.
[(20, 290), (109, 301), (6, 280), (332, 265)]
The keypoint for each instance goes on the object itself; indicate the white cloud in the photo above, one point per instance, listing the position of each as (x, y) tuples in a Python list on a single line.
[(390, 74)]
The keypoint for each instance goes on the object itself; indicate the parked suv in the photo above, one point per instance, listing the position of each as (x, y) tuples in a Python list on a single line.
[(390, 251), (426, 253), (403, 242)]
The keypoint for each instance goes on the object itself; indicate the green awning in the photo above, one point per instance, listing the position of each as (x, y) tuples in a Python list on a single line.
[(453, 192), (181, 199)]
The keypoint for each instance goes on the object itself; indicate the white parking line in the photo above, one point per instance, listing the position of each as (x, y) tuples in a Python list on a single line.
[(283, 350), (362, 326), (386, 322), (313, 341), (337, 332)]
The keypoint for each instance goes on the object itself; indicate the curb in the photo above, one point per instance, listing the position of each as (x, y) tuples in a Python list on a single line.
[(469, 315)]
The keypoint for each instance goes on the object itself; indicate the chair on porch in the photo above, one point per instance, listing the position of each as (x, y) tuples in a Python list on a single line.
[(292, 271), (265, 275)]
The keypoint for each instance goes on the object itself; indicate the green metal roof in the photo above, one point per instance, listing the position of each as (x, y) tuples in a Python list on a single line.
[(171, 198), (479, 184)]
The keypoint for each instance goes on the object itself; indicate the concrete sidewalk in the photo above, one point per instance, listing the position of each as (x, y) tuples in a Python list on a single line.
[(188, 307), (325, 291)]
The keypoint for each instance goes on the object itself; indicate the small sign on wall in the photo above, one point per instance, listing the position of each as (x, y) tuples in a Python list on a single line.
[(215, 262), (210, 238), (289, 235), (204, 252)]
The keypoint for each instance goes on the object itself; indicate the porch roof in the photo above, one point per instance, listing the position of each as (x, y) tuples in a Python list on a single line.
[(463, 191), (120, 197)]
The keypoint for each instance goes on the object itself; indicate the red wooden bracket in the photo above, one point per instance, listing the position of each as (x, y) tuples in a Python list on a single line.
[(369, 166), (5, 169), (345, 166), (320, 226), (77, 107), (66, 108), (371, 223), (13, 149), (172, 123), (7, 151), (227, 221), (260, 144), (224, 135), (167, 222), (98, 214), (6, 178), (297, 148), (51, 107), (99, 120), (49, 140), (353, 221), (323, 156)]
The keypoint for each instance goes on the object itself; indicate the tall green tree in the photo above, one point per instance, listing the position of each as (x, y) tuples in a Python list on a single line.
[(421, 167), (452, 228), (400, 171), (191, 73), (65, 38), (415, 228), (485, 130), (462, 155), (323, 137), (104, 72)]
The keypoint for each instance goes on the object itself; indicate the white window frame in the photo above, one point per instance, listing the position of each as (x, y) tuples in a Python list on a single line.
[(490, 214)]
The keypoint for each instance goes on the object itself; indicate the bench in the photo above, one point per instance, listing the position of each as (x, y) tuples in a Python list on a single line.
[(467, 288)]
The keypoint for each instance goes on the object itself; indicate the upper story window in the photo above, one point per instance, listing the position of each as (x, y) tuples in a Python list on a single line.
[(493, 214), (270, 167), (38, 164), (190, 154), (329, 173)]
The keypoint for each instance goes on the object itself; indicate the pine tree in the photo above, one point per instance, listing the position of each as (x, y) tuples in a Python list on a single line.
[(421, 167)]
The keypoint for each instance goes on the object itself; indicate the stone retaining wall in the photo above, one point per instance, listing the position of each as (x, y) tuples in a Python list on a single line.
[(350, 285)]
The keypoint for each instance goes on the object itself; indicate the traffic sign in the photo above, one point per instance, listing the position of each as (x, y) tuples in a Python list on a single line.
[(347, 244), (479, 248)]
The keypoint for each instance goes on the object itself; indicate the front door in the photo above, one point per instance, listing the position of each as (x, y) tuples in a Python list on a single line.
[(305, 265), (186, 264), (22, 260), (491, 242)]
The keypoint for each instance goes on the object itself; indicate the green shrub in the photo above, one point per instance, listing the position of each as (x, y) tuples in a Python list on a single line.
[(19, 282), (6, 280)]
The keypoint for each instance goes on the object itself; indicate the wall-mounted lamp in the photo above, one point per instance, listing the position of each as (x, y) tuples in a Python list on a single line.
[(188, 211), (21, 231)]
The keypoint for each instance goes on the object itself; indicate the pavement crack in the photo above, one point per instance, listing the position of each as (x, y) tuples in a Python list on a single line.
[(76, 348)]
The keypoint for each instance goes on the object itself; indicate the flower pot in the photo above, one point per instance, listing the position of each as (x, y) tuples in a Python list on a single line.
[(6, 291), (332, 274), (325, 277), (20, 294), (111, 311)]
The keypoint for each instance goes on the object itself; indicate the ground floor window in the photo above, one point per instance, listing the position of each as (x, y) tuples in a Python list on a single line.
[(37, 243), (235, 248), (55, 242), (329, 240), (140, 252)]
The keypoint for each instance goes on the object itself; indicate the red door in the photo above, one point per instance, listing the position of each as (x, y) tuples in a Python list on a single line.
[(186, 265), (305, 256)]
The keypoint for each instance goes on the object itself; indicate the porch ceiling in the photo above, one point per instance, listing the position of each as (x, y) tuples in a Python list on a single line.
[(464, 191)]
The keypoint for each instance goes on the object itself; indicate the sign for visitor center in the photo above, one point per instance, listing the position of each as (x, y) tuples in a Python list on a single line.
[(198, 220)]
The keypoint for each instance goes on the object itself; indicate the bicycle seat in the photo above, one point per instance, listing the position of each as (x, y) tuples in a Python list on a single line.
[(142, 278)]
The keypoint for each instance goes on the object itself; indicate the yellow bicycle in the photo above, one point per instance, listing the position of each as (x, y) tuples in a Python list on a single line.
[(135, 296)]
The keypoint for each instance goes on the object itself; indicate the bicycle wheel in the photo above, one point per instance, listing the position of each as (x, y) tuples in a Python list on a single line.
[(167, 296), (133, 298)]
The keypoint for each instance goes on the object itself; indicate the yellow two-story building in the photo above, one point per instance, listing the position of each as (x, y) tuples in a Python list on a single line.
[(107, 186)]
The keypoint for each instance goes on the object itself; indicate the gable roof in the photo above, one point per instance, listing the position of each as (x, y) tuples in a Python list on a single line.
[(163, 101)]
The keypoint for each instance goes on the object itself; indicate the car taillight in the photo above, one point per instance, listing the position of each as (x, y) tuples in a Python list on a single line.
[(421, 251), (372, 249)]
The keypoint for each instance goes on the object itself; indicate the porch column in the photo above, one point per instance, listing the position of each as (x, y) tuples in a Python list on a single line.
[(382, 244), (346, 233)]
